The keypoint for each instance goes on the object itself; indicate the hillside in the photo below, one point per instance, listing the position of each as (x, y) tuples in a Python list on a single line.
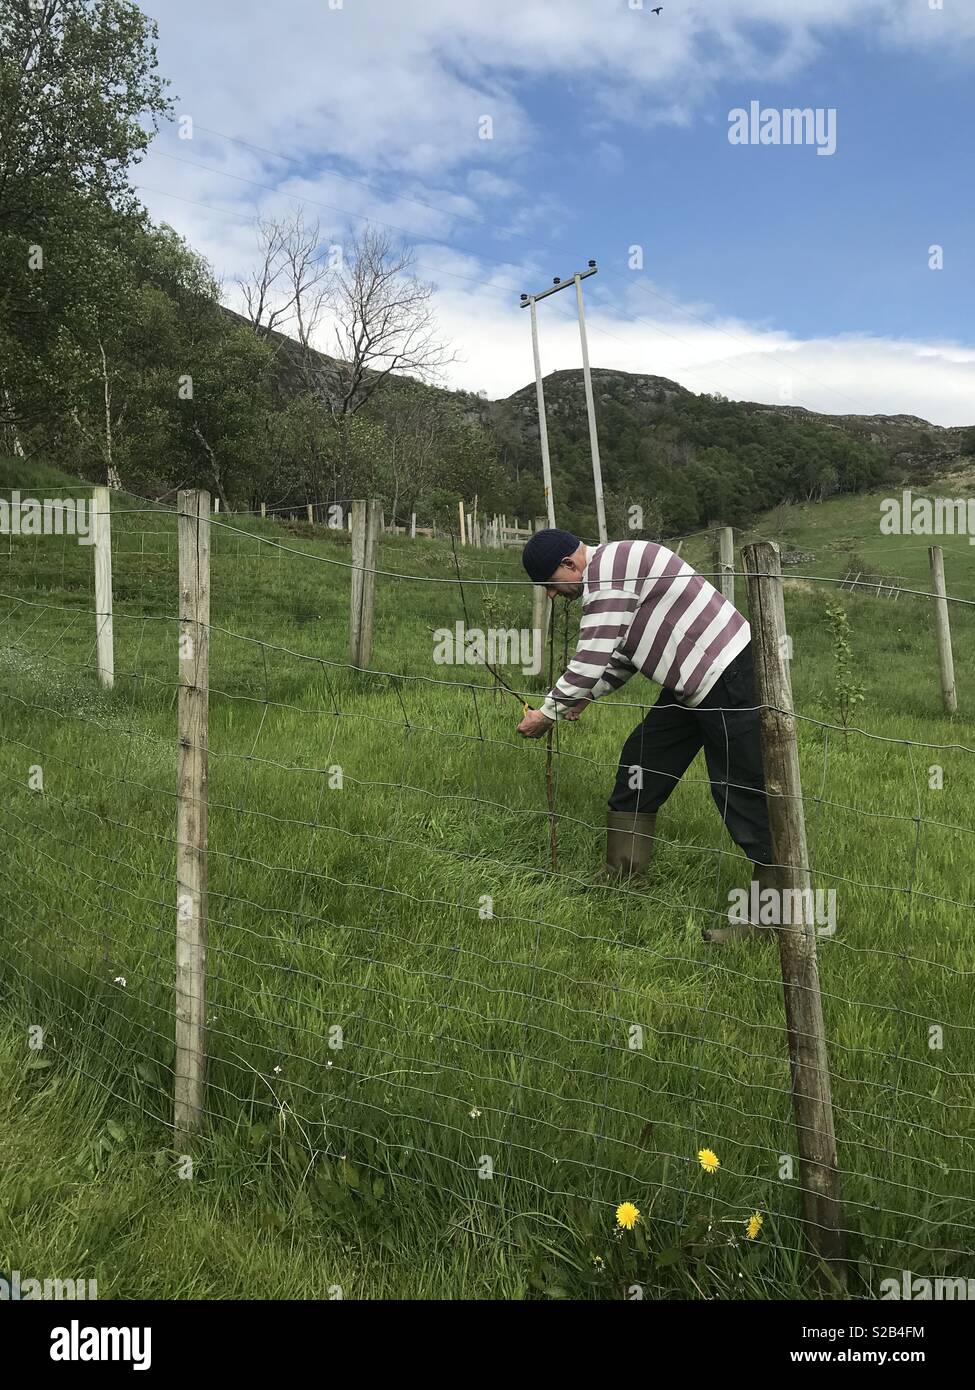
[(909, 441), (915, 448), (687, 459), (921, 448)]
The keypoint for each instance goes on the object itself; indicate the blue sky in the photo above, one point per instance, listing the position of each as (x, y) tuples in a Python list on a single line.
[(816, 244), (770, 272)]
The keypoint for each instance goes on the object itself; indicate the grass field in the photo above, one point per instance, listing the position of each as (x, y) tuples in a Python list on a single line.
[(379, 865)]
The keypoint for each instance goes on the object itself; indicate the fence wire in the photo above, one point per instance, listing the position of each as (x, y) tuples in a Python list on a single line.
[(400, 980)]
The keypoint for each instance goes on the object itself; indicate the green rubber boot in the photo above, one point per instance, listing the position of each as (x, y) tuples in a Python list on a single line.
[(629, 843)]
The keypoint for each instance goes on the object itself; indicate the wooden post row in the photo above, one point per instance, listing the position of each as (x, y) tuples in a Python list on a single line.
[(191, 812), (809, 1063)]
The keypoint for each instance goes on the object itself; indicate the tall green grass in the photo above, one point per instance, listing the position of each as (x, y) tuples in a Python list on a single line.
[(486, 1110)]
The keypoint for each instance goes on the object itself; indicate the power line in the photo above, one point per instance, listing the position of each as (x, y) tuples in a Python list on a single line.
[(440, 241)]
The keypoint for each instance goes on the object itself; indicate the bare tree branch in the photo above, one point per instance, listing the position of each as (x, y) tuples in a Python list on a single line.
[(268, 308), (384, 322)]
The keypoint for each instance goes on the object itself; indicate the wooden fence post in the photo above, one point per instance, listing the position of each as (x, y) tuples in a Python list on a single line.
[(726, 562), (101, 506), (263, 510), (365, 529), (942, 623), (809, 1063), (191, 812)]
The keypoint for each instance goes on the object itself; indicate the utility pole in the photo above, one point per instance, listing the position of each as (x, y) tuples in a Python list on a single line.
[(542, 421), (597, 472), (597, 476)]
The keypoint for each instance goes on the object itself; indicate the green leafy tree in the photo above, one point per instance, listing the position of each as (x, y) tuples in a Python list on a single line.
[(79, 102)]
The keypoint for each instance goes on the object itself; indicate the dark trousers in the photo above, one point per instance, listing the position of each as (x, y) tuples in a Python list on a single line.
[(725, 724)]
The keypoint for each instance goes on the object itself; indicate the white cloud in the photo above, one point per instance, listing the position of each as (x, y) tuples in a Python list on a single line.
[(478, 311), (390, 95), (402, 86), (484, 184), (854, 374)]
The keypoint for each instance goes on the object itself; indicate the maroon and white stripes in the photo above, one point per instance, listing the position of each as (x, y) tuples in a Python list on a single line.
[(645, 609)]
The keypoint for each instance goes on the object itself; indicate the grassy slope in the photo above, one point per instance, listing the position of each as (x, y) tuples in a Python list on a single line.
[(465, 1036)]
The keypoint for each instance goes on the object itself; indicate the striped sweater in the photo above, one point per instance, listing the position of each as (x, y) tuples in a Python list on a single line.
[(644, 609)]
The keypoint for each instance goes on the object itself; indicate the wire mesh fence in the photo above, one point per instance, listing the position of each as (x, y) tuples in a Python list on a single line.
[(418, 982)]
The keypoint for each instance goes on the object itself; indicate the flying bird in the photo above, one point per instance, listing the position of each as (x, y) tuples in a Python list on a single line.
[(657, 10)]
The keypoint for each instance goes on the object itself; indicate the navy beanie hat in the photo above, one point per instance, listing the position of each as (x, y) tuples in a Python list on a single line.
[(546, 550)]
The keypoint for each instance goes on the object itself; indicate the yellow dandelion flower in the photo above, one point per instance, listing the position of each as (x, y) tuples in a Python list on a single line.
[(708, 1160), (755, 1224), (627, 1215)]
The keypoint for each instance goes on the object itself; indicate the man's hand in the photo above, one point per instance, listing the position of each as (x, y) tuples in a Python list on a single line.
[(535, 724), (577, 710)]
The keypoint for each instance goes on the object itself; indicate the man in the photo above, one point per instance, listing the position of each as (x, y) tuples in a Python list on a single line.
[(644, 609)]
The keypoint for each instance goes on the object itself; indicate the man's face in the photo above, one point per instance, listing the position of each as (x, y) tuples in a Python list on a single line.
[(566, 582)]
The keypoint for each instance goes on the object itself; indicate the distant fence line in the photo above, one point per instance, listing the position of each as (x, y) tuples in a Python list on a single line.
[(494, 532), (365, 523)]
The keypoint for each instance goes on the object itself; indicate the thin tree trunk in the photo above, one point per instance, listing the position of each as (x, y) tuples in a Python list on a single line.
[(111, 472), (214, 469)]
